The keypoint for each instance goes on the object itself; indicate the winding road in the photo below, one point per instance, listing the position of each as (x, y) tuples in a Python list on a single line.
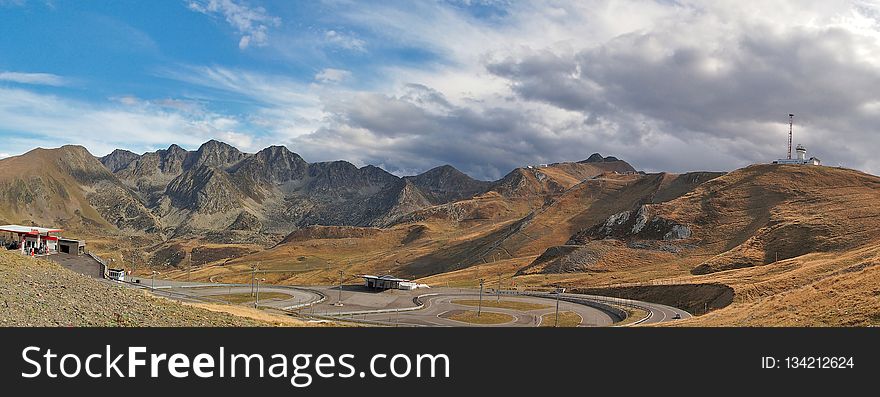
[(421, 308)]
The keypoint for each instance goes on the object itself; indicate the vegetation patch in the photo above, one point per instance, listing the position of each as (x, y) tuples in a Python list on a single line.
[(566, 319), (502, 304), (633, 314), (471, 317), (247, 297)]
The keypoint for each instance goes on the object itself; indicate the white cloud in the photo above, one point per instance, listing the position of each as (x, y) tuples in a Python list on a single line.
[(331, 75), (670, 86), (252, 23), (30, 119), (33, 78), (344, 40)]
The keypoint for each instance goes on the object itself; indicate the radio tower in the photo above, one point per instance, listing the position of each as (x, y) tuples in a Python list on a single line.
[(790, 123)]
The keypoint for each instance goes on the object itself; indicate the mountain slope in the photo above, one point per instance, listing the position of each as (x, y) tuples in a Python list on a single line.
[(445, 184), (555, 178), (69, 188), (756, 215), (40, 293)]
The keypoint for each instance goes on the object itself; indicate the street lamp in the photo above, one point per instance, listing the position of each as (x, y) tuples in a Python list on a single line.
[(153, 279), (257, 296), (253, 278), (339, 299), (498, 292), (559, 291), (480, 304)]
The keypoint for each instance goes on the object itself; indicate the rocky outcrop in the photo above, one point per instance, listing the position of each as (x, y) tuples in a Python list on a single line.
[(204, 190), (246, 221), (640, 224)]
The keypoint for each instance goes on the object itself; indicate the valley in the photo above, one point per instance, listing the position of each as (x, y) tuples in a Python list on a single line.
[(750, 247)]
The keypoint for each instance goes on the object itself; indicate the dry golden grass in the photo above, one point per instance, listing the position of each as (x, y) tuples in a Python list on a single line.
[(485, 318), (566, 319), (258, 315), (502, 304), (823, 289), (247, 297), (633, 314)]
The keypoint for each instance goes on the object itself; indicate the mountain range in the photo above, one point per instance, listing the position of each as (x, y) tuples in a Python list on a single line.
[(217, 188), (765, 245)]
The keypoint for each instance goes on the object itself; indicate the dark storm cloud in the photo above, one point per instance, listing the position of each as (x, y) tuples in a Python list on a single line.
[(687, 86), (412, 133), (732, 91)]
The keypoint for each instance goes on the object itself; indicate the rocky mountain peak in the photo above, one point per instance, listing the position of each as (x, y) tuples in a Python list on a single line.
[(119, 159), (215, 154), (594, 158), (446, 183), (597, 158)]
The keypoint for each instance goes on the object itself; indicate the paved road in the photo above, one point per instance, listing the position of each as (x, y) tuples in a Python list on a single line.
[(657, 313), (397, 307), (438, 306), (204, 292)]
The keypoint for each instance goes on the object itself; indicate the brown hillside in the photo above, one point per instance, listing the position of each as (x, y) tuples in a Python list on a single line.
[(69, 188), (760, 213), (754, 216), (820, 289), (37, 292)]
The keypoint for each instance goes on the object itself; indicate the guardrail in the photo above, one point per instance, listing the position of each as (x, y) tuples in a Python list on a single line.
[(98, 259), (617, 312)]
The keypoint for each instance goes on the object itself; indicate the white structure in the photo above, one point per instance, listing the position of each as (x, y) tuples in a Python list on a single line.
[(389, 282), (116, 274), (801, 158)]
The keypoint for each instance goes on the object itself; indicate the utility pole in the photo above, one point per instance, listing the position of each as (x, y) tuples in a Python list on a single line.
[(339, 300), (257, 296), (153, 279), (498, 292), (559, 291), (253, 278), (480, 304)]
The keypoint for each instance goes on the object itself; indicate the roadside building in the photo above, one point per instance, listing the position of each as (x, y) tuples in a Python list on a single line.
[(31, 239), (388, 282), (70, 246), (116, 274)]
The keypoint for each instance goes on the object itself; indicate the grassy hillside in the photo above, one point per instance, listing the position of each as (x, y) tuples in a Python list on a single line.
[(762, 213), (69, 188), (36, 292)]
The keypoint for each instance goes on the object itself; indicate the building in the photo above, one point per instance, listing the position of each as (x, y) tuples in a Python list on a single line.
[(69, 246), (116, 274), (388, 282), (31, 239), (801, 158)]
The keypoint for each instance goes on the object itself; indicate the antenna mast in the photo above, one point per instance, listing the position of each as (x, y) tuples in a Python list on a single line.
[(790, 123)]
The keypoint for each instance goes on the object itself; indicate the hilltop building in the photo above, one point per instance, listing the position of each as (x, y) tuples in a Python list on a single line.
[(801, 158)]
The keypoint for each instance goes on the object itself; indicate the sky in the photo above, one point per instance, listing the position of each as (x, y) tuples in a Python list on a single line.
[(483, 85)]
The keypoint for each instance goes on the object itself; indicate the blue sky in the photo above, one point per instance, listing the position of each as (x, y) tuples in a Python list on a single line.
[(484, 85)]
